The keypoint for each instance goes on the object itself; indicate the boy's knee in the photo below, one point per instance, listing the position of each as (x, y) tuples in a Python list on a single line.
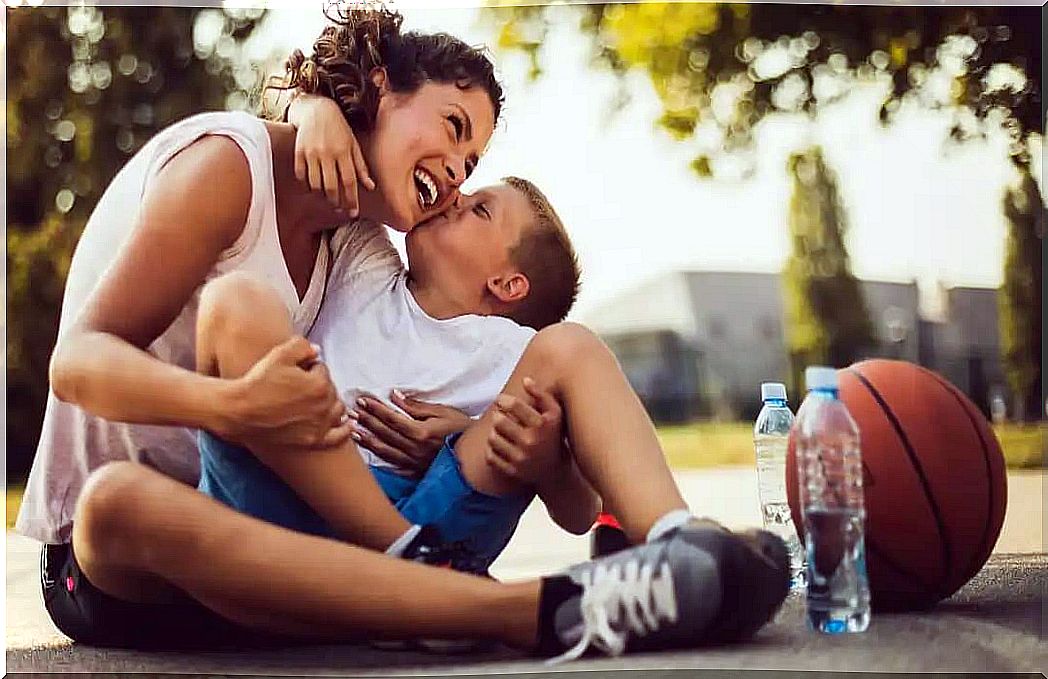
[(568, 344), (239, 319), (234, 298)]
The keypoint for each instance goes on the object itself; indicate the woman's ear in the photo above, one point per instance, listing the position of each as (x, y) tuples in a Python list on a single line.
[(509, 289), (380, 79)]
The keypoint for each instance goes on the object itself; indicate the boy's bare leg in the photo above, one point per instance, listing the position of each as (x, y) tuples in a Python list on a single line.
[(239, 321), (611, 435), (138, 534)]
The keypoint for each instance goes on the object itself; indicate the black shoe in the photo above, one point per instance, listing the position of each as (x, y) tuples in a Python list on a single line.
[(606, 540), (429, 548), (697, 585)]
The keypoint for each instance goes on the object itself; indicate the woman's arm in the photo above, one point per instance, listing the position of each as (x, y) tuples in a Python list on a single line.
[(195, 208), (185, 221)]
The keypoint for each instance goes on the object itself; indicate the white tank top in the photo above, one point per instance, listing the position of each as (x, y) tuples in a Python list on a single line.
[(73, 442)]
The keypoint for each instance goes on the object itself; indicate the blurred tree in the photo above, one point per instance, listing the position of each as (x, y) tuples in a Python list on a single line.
[(826, 318), (1021, 296), (86, 87), (719, 68)]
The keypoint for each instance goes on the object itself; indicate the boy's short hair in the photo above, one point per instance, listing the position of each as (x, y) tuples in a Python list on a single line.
[(545, 255)]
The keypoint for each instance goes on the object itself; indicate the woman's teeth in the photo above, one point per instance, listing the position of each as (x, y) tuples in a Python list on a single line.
[(427, 188)]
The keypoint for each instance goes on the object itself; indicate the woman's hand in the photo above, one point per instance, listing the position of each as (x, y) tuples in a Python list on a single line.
[(409, 441), (327, 154), (526, 442), (286, 400)]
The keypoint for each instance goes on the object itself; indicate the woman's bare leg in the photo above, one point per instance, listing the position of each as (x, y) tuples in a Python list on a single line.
[(611, 435), (138, 533), (239, 321)]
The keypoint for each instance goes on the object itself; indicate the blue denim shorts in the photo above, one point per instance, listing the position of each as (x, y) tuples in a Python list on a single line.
[(441, 497)]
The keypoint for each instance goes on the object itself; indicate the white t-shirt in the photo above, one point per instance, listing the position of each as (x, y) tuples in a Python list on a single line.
[(73, 442), (374, 337)]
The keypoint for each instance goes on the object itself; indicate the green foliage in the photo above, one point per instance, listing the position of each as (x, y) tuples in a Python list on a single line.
[(1021, 294), (825, 312), (520, 29), (86, 88), (719, 68)]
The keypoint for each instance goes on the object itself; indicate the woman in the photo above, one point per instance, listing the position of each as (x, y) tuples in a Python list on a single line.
[(217, 193), (169, 566)]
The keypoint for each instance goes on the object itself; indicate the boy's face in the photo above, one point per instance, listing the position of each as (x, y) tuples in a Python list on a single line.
[(471, 241)]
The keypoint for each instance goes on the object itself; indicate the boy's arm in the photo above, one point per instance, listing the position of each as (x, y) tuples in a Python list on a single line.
[(327, 154), (569, 498), (528, 444)]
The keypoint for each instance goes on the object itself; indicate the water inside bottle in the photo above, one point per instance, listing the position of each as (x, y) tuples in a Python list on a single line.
[(838, 594)]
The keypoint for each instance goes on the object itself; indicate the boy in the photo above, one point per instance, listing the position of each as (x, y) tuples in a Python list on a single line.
[(447, 327), (483, 276)]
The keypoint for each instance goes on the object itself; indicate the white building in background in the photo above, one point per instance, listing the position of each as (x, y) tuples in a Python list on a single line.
[(699, 343)]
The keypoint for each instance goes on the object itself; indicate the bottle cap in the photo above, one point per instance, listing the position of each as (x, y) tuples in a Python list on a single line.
[(773, 390), (820, 377)]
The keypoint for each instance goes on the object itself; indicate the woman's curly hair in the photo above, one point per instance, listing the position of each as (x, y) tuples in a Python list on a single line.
[(360, 40)]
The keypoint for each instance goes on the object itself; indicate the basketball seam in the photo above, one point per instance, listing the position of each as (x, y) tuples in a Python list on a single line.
[(989, 471), (915, 462)]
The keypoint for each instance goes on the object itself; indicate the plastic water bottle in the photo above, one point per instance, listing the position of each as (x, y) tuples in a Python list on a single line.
[(829, 475), (770, 439)]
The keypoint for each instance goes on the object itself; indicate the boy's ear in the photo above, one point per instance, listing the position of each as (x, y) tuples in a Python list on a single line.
[(509, 288), (380, 79)]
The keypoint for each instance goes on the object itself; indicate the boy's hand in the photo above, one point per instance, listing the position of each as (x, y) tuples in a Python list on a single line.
[(409, 441), (327, 154), (526, 441)]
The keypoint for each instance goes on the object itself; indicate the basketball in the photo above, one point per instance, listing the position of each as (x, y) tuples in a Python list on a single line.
[(933, 480)]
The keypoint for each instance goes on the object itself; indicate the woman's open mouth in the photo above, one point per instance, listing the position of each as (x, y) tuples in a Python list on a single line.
[(427, 187)]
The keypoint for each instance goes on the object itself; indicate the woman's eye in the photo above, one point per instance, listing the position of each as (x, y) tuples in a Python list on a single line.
[(458, 125), (481, 211)]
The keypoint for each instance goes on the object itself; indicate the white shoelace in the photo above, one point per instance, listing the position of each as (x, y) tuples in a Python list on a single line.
[(610, 593)]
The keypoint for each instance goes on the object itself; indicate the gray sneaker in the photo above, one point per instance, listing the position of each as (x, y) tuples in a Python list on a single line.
[(756, 577), (698, 585)]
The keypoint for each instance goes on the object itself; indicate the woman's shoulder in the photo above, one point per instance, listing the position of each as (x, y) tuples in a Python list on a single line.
[(222, 120), (242, 129)]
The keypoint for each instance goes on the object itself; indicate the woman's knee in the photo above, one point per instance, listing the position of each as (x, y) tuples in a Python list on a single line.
[(111, 497)]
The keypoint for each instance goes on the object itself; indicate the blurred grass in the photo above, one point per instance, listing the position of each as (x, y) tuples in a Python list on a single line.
[(713, 444), (14, 501), (708, 444), (1024, 446), (718, 444)]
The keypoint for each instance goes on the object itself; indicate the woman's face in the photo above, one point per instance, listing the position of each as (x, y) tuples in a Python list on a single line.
[(423, 146)]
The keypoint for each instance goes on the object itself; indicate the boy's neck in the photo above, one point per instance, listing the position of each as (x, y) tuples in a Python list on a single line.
[(442, 304)]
